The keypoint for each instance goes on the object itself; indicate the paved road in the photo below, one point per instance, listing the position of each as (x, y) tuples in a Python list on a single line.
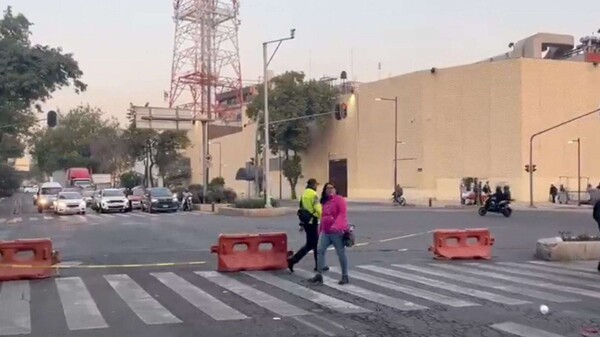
[(396, 289)]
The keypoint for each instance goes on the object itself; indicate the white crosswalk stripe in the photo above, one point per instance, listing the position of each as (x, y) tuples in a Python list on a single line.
[(46, 217), (2, 220), (562, 265), (212, 294), (522, 330), (15, 220)]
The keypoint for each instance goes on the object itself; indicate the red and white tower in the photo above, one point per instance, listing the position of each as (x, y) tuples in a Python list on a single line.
[(206, 58)]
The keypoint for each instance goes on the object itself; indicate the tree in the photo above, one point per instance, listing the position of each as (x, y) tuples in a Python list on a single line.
[(178, 173), (131, 179), (292, 97), (10, 181), (78, 141), (29, 74), (166, 148)]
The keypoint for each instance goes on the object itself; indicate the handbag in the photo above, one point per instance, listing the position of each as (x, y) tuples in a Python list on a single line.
[(349, 237)]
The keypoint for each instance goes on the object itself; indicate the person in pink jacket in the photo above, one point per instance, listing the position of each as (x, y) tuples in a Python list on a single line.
[(334, 224)]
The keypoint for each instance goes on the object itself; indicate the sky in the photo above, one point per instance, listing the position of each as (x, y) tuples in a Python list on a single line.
[(125, 47)]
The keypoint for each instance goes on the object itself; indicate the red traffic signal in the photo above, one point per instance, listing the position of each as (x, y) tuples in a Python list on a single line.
[(341, 111)]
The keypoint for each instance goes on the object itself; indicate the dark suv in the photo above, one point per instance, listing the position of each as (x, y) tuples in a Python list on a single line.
[(159, 199)]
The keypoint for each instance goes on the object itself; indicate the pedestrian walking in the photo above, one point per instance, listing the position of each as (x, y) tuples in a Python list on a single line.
[(334, 226), (309, 213), (596, 216)]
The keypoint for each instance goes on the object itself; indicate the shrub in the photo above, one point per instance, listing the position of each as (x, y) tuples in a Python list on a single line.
[(254, 203), (197, 193), (229, 195)]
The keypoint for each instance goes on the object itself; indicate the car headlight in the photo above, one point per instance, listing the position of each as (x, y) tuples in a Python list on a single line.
[(43, 201), (174, 195), (154, 200), (175, 199), (61, 204)]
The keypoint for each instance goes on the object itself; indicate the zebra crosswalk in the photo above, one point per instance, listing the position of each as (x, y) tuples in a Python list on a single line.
[(18, 219), (399, 287)]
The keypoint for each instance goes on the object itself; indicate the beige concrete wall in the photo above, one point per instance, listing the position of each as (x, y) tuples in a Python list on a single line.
[(473, 120), (553, 92)]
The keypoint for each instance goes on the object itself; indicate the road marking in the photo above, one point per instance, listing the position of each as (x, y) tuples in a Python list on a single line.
[(405, 236), (445, 286), (542, 295), (537, 274), (564, 265), (95, 216), (81, 217), (152, 215), (416, 292), (137, 215), (372, 296), (522, 330), (264, 300), (33, 219), (15, 314), (308, 294), (198, 298), (588, 275), (14, 220), (2, 220), (63, 218), (48, 217), (78, 305), (122, 215), (107, 215), (522, 280), (314, 326), (145, 306)]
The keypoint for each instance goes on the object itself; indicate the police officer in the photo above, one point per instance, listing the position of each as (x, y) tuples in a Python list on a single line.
[(309, 213)]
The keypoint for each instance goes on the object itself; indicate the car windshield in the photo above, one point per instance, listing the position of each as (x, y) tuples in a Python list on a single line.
[(161, 192), (82, 183), (69, 195), (50, 190), (113, 193)]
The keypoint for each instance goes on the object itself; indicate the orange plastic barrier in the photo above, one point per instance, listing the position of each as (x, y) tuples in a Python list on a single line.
[(473, 243), (238, 252), (26, 259)]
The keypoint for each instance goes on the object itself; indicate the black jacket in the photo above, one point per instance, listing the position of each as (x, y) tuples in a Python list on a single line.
[(596, 213)]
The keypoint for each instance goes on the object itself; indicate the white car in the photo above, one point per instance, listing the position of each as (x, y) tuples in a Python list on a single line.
[(46, 196), (69, 203), (112, 199)]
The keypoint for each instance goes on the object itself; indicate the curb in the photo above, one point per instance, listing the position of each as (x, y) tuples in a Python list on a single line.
[(256, 213)]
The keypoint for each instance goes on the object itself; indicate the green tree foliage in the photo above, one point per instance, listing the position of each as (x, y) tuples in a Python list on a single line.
[(29, 74), (290, 96), (83, 137), (10, 180), (178, 173), (131, 179)]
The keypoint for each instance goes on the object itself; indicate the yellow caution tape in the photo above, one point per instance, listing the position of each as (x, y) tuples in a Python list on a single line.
[(101, 266)]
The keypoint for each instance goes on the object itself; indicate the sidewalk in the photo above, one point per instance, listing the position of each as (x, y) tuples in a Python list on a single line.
[(453, 204)]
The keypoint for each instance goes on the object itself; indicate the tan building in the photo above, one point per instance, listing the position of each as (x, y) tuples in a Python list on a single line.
[(473, 120)]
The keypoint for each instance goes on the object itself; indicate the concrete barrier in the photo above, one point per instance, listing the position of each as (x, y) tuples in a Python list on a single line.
[(256, 213), (555, 249), (209, 207)]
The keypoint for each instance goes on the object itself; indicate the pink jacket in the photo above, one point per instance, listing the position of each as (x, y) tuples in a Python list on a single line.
[(334, 218)]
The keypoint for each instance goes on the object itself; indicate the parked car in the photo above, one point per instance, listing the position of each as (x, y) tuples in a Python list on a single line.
[(159, 199), (135, 198), (69, 203), (46, 196), (112, 199)]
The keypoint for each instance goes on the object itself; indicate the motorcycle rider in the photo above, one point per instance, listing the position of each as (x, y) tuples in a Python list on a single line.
[(184, 198), (398, 193), (496, 198)]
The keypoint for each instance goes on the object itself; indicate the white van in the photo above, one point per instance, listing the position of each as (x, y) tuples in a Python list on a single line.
[(46, 195)]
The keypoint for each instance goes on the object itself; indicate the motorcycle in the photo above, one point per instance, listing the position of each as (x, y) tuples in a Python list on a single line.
[(399, 201), (502, 207), (186, 204)]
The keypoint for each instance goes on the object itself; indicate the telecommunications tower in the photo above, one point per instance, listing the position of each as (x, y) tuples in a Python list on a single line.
[(206, 58)]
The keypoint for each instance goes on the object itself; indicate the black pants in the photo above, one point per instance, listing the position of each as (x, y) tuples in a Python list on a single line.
[(312, 239)]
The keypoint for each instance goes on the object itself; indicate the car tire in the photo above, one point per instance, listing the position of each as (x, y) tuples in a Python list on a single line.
[(40, 210), (82, 213)]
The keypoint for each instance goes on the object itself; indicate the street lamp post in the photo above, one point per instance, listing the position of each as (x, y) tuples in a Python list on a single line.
[(266, 110), (220, 157), (578, 141), (395, 100)]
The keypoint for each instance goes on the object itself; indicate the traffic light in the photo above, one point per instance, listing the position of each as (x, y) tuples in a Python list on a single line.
[(52, 118), (341, 111), (344, 110)]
